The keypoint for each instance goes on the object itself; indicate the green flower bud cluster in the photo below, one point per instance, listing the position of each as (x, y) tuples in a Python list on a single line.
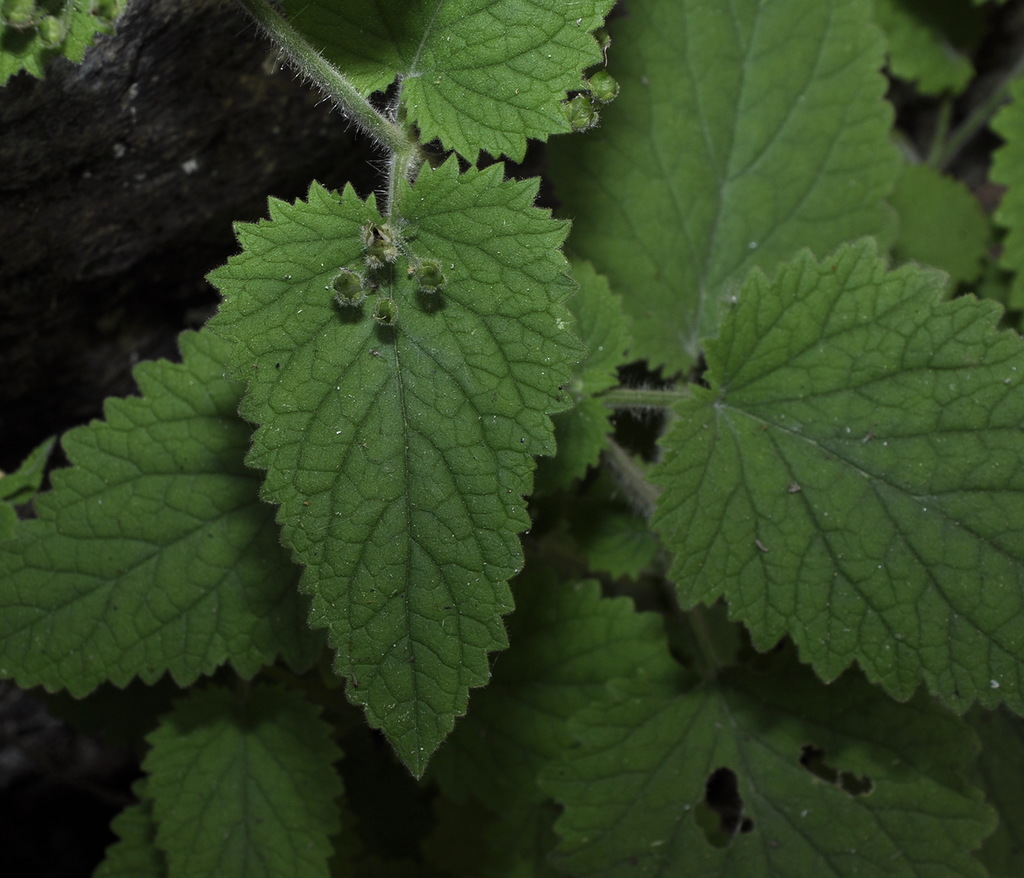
[(23, 15), (429, 276), (380, 245), (582, 110), (381, 249), (349, 288), (385, 312), (20, 14)]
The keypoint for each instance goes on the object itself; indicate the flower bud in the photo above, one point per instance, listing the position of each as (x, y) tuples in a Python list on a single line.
[(348, 288)]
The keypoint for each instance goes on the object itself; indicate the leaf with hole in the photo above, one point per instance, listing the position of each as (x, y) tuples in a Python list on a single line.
[(765, 772)]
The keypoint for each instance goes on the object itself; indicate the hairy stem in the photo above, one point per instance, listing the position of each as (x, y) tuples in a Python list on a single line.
[(941, 134), (631, 478), (638, 397), (979, 117), (330, 80), (708, 659), (401, 166)]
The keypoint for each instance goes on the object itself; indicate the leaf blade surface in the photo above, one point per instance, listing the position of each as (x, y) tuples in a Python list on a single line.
[(567, 643), (858, 463), (480, 75), (400, 456), (742, 133), (244, 785), (826, 780), (153, 553)]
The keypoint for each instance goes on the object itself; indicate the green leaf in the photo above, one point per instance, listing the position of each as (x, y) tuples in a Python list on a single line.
[(51, 30), (615, 541), (742, 133), (582, 433), (770, 774), (941, 223), (853, 476), (21, 486), (567, 642), (243, 784), (1008, 170), (930, 43), (481, 75), (153, 552), (137, 708), (401, 455), (468, 840), (134, 854), (999, 770)]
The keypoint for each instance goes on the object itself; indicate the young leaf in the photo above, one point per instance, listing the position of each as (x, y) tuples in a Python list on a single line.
[(479, 75), (567, 642), (582, 432), (1008, 169), (930, 43), (999, 769), (153, 552), (854, 476), (766, 774), (21, 485), (941, 223), (243, 784), (468, 840), (134, 854), (742, 133), (37, 33), (615, 541), (400, 454)]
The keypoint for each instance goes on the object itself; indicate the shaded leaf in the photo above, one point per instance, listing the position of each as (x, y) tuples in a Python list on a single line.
[(582, 433), (567, 642), (615, 541), (941, 223), (930, 44), (768, 774), (242, 784), (1000, 767), (134, 854), (1008, 170), (742, 132), (22, 485)]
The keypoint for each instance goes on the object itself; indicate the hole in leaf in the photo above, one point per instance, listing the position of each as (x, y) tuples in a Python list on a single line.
[(813, 759), (720, 815)]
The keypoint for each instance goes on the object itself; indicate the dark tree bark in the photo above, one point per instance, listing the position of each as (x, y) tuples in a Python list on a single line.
[(119, 181)]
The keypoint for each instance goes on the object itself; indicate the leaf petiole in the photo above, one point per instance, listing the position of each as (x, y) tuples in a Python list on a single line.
[(631, 478), (333, 83), (643, 397)]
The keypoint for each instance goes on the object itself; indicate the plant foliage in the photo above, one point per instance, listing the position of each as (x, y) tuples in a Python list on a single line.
[(696, 553), (34, 32)]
